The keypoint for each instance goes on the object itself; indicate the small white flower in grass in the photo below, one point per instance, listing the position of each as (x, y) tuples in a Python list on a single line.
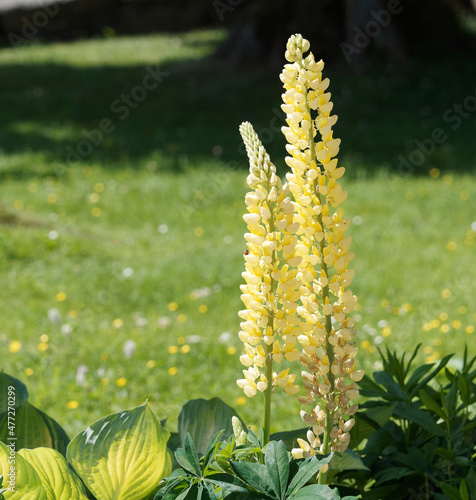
[(473, 226), (127, 272), (164, 322), (81, 375), (53, 217), (357, 220), (129, 348), (228, 240), (225, 337), (163, 229), (66, 329), (54, 316), (194, 339), (378, 340), (53, 235), (140, 321), (382, 323)]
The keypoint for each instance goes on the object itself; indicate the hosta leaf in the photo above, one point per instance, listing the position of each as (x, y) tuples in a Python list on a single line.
[(20, 396), (122, 456), (26, 484), (202, 419), (34, 429), (54, 472)]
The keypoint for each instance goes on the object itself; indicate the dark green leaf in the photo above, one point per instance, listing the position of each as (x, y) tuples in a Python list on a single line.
[(202, 419), (34, 429), (445, 453), (316, 492), (450, 491), (420, 418), (417, 374), (451, 397), (307, 469), (187, 457), (277, 461), (443, 362), (471, 482), (256, 475), (228, 482), (463, 490), (289, 438), (349, 460), (393, 473), (210, 491), (431, 404), (211, 449), (393, 390), (20, 392), (464, 389), (366, 422)]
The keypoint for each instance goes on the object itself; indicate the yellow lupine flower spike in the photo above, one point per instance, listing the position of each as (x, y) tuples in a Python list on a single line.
[(328, 349), (270, 260), (270, 324)]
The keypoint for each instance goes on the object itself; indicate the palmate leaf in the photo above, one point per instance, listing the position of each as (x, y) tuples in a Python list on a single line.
[(59, 481), (277, 461), (316, 492), (21, 392), (256, 475), (27, 483), (307, 469), (187, 457), (34, 429), (122, 456)]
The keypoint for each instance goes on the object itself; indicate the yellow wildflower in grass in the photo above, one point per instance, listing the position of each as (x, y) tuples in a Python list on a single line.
[(121, 382), (327, 332), (61, 297), (173, 349), (15, 346), (270, 325), (173, 370), (72, 405), (185, 349)]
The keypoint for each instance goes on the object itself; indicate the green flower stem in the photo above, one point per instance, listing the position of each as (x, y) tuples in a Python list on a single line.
[(268, 393), (325, 294)]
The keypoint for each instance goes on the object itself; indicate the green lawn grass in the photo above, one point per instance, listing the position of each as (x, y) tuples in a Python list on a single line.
[(142, 240)]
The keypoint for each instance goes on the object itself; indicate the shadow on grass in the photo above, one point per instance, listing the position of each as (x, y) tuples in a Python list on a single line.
[(51, 112)]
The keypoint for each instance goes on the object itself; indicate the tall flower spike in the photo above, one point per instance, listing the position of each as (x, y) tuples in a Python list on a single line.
[(327, 339), (270, 324)]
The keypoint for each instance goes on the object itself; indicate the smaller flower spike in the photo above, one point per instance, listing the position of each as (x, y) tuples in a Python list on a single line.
[(270, 325)]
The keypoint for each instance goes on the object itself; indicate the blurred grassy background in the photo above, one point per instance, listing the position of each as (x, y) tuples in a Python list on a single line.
[(142, 240)]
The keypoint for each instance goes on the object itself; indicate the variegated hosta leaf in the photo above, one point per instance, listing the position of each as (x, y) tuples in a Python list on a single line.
[(22, 482), (59, 481), (17, 397), (122, 456), (34, 429)]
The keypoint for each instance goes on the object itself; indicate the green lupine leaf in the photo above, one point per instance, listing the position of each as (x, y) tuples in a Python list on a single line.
[(34, 429), (308, 468), (187, 457), (20, 391), (316, 492), (256, 475), (450, 491), (420, 418), (57, 478), (122, 456), (289, 438), (464, 389), (349, 460), (277, 461), (431, 404), (26, 484)]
